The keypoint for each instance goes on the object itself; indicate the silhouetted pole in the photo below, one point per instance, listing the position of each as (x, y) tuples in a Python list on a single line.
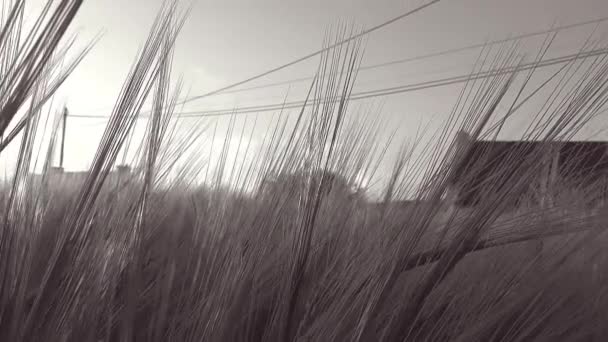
[(63, 125)]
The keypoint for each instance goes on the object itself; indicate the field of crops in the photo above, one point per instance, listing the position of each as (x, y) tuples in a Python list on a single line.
[(290, 247)]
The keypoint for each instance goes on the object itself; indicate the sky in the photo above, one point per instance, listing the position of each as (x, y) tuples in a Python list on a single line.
[(227, 41)]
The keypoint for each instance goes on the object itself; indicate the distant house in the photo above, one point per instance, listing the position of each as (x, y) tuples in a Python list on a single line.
[(58, 176), (562, 165)]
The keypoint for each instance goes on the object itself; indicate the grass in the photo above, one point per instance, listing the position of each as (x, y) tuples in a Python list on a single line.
[(292, 248)]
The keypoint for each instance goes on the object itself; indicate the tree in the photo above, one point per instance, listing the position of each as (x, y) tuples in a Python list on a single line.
[(326, 182)]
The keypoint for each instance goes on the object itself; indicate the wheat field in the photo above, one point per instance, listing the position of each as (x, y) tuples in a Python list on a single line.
[(291, 246)]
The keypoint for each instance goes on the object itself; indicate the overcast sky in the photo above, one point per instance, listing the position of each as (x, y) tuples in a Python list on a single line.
[(229, 40)]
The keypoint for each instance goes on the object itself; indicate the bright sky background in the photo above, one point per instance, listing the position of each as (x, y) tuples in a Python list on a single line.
[(229, 40)]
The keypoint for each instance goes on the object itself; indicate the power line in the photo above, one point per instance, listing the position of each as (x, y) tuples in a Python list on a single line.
[(433, 54), (314, 54), (390, 90), (310, 55), (229, 90), (451, 68)]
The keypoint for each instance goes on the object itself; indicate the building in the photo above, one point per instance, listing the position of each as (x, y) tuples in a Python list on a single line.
[(557, 166), (58, 176)]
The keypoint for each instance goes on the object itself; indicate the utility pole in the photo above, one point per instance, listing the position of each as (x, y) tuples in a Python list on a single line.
[(63, 125)]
